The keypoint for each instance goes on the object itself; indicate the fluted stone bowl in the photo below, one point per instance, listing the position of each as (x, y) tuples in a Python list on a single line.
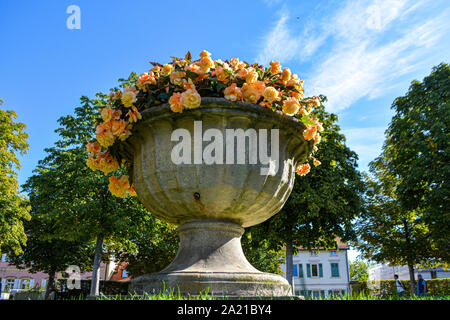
[(213, 203), (234, 192)]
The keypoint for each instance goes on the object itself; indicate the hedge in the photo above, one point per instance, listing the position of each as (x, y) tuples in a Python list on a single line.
[(436, 287)]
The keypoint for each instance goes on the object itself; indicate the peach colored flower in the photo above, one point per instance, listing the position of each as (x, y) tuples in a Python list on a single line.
[(93, 147), (242, 73), (107, 114), (251, 93), (309, 132), (316, 162), (252, 75), (266, 104), (175, 102), (156, 70), (190, 99), (126, 132), (129, 96), (222, 75), (317, 138), (107, 163), (134, 115), (167, 69), (303, 169), (104, 134), (275, 67), (91, 163), (176, 77), (290, 106), (119, 186), (286, 74), (233, 93), (206, 63), (271, 94), (204, 54), (234, 62), (132, 191), (118, 126), (116, 114), (145, 80), (188, 84)]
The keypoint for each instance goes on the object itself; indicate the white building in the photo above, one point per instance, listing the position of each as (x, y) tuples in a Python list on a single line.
[(384, 271), (321, 273)]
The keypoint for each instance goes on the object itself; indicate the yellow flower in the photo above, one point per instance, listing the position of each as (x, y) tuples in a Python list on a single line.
[(204, 54), (107, 163), (233, 92), (252, 75), (251, 93), (129, 96), (206, 63), (118, 126), (317, 138), (190, 99), (316, 162), (303, 169), (126, 132), (286, 74), (92, 163), (134, 115), (175, 102), (291, 106), (132, 191), (234, 62), (309, 132), (167, 69), (107, 114), (275, 67), (104, 134), (93, 148), (145, 80), (119, 186), (271, 94), (188, 84), (222, 75), (176, 77)]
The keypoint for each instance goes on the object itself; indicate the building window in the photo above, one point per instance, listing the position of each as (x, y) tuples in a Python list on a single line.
[(335, 269), (9, 284), (333, 253), (25, 284), (314, 270), (433, 274), (124, 273), (3, 258), (300, 269)]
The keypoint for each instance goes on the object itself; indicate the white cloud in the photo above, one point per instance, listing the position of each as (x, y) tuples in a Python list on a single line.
[(368, 44)]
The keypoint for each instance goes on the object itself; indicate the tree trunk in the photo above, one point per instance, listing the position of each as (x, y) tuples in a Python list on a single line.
[(95, 282), (50, 285), (412, 282), (290, 266)]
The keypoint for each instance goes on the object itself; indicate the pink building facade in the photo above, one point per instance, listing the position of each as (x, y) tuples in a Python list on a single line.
[(14, 279)]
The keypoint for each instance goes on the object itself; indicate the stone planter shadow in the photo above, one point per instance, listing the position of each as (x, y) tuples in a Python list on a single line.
[(213, 203)]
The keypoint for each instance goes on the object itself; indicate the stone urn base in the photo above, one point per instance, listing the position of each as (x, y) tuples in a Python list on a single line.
[(210, 258)]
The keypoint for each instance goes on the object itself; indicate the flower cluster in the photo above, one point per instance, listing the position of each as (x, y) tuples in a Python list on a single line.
[(182, 83)]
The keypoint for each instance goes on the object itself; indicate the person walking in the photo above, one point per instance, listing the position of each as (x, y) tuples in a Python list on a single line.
[(399, 286), (422, 289)]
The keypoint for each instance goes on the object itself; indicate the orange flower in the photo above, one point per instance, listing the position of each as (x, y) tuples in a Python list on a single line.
[(204, 54), (93, 148), (251, 93), (190, 99), (316, 162), (275, 67), (175, 77), (132, 191), (222, 75), (104, 134), (145, 80), (233, 92), (271, 94), (291, 106), (134, 115), (303, 169), (167, 69), (119, 187), (234, 62), (286, 74), (156, 70), (206, 63), (92, 163), (175, 102), (118, 126), (107, 163), (129, 96), (309, 132), (317, 138), (243, 72), (252, 75), (107, 114), (188, 84), (126, 132)]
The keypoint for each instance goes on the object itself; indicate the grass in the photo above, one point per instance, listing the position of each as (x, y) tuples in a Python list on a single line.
[(365, 296)]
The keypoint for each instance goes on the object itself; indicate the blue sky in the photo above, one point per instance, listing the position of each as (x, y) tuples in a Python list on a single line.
[(360, 54)]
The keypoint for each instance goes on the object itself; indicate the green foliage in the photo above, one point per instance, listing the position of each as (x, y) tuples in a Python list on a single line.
[(417, 153), (359, 270), (324, 202), (387, 288), (14, 207), (261, 256)]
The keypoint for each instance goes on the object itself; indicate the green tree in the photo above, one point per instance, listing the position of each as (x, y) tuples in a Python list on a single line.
[(323, 203), (51, 255), (14, 207), (77, 200), (359, 270), (417, 151), (261, 255)]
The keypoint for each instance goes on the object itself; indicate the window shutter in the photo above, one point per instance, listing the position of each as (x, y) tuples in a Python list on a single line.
[(320, 270), (300, 266), (295, 271), (3, 286), (308, 270)]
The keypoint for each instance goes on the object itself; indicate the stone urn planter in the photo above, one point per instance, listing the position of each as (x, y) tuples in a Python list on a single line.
[(213, 202)]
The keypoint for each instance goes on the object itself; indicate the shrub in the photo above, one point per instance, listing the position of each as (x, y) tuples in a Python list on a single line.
[(384, 288)]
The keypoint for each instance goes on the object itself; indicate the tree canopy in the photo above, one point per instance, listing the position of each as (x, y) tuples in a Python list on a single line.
[(14, 208)]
